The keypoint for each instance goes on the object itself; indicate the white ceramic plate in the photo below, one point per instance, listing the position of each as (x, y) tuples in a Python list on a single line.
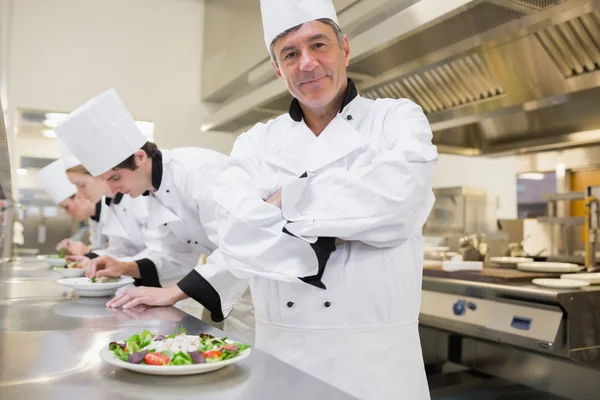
[(193, 369), (560, 283), (592, 278), (510, 262), (462, 266), (552, 267), (84, 288), (69, 272), (55, 262), (432, 263)]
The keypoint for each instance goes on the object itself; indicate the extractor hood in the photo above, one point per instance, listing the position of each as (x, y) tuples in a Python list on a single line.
[(493, 76)]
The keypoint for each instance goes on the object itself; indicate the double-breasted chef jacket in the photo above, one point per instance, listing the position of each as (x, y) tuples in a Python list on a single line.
[(347, 316)]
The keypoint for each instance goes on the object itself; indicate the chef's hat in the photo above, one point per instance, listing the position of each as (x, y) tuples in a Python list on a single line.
[(101, 133), (280, 15), (68, 158), (53, 178)]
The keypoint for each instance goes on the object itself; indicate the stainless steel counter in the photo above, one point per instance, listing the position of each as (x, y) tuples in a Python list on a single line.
[(50, 340)]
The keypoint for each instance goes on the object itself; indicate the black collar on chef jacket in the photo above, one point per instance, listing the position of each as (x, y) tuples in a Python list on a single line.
[(114, 200), (296, 111), (96, 216), (157, 171)]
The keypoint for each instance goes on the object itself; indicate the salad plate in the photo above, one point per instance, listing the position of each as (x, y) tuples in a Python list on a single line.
[(177, 354), (95, 287), (72, 269)]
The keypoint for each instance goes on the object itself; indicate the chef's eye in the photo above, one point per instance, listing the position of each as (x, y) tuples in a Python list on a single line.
[(290, 55), (319, 45)]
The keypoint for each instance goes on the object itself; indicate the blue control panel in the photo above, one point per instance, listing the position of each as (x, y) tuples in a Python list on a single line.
[(461, 306), (521, 323)]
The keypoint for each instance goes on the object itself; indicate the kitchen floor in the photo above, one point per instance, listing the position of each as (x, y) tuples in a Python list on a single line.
[(466, 385)]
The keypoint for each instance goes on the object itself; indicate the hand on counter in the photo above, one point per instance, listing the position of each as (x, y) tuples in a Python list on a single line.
[(145, 313), (148, 296), (106, 266)]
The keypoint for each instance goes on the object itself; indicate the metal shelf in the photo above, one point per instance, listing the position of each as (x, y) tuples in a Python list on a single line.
[(571, 221), (565, 196)]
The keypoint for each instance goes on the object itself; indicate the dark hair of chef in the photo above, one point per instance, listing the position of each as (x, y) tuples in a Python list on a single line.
[(129, 163)]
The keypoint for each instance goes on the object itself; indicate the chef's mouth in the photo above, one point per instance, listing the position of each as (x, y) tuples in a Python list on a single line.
[(312, 80)]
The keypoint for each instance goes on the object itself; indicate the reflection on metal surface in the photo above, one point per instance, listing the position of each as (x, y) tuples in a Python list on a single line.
[(6, 199), (550, 374), (58, 340)]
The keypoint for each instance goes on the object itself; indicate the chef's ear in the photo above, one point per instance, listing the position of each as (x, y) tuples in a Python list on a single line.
[(276, 68), (140, 156)]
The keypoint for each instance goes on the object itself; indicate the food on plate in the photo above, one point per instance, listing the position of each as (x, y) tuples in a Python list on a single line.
[(62, 253), (104, 279), (176, 349), (72, 264)]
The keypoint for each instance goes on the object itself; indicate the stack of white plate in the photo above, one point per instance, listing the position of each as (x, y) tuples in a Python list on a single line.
[(549, 267), (560, 283), (510, 262), (591, 278)]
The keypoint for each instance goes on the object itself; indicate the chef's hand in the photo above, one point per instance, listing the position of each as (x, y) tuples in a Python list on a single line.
[(63, 244), (149, 296), (78, 248), (106, 266), (143, 312), (275, 199)]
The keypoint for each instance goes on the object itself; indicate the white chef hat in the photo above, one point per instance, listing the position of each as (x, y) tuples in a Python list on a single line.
[(101, 133), (281, 15), (53, 178), (68, 158)]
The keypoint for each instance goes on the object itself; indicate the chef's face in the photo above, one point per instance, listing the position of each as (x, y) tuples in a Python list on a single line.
[(312, 63), (89, 187), (78, 207), (133, 182)]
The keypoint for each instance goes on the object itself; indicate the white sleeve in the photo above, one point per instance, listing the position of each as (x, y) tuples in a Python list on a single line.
[(381, 204), (251, 231)]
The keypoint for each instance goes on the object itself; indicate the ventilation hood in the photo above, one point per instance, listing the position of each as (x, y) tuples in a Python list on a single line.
[(494, 77)]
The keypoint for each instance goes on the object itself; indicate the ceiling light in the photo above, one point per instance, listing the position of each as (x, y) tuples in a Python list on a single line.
[(21, 171), (49, 133)]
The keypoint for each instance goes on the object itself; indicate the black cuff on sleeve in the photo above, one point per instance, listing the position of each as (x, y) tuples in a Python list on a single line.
[(148, 274), (323, 248), (199, 289), (91, 255)]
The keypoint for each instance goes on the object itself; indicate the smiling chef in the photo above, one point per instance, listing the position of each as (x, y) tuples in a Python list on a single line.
[(322, 209)]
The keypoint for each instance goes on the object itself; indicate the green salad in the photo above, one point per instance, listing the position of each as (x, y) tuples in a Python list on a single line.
[(62, 253), (176, 349)]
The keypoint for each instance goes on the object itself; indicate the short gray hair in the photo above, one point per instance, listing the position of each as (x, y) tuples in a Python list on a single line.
[(336, 28)]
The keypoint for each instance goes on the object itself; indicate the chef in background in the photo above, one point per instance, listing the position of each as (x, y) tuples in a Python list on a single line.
[(122, 217), (178, 187), (336, 167), (63, 193)]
